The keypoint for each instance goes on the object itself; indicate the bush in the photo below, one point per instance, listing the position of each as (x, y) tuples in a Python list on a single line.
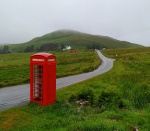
[(110, 99), (84, 94)]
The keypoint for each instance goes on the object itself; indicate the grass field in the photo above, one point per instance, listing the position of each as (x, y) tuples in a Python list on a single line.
[(119, 100), (14, 67)]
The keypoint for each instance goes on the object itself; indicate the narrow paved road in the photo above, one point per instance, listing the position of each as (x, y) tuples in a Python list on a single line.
[(19, 95)]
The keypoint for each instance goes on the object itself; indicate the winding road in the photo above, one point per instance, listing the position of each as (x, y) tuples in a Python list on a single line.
[(19, 95)]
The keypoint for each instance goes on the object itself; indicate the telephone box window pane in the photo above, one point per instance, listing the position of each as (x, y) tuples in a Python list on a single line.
[(38, 82)]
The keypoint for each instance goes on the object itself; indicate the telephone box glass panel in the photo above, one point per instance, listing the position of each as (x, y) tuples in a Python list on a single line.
[(38, 82)]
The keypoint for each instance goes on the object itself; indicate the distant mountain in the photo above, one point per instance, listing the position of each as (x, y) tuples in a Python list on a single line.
[(75, 39)]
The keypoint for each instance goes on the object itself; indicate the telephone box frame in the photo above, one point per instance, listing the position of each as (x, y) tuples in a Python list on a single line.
[(43, 78)]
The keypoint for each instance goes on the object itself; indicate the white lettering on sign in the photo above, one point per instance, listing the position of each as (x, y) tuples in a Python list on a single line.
[(38, 60), (51, 60)]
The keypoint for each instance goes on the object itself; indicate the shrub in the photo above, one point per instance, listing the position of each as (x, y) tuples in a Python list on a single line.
[(110, 99), (84, 94)]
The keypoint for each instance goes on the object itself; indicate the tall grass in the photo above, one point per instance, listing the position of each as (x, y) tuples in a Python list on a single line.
[(134, 79)]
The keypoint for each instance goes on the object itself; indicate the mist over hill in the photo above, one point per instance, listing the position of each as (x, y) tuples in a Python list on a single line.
[(58, 40)]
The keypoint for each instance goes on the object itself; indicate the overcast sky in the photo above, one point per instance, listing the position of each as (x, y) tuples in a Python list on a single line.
[(22, 20)]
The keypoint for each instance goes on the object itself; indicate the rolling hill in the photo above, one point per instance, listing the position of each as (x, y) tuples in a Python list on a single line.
[(75, 39)]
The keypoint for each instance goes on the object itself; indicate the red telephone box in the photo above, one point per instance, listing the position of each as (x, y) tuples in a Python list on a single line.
[(43, 78)]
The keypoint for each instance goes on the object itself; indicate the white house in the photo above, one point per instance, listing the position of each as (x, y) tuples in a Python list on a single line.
[(67, 48)]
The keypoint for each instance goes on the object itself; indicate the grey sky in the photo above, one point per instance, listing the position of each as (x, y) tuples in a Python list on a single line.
[(22, 20)]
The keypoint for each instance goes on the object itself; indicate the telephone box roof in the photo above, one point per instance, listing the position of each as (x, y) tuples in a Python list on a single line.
[(42, 54)]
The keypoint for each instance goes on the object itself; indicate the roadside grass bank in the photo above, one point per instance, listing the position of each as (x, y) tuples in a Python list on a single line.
[(14, 67), (117, 100)]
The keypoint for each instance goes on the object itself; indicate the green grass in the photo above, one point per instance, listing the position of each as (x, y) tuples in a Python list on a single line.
[(14, 67), (120, 100)]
